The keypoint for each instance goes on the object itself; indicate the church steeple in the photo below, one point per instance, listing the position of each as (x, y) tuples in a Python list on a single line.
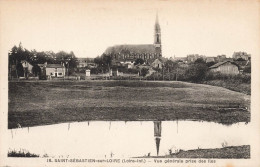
[(157, 31), (157, 134)]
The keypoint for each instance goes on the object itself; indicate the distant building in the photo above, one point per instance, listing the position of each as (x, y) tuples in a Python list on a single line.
[(180, 59), (158, 63), (193, 57), (85, 62), (221, 58), (242, 55), (55, 70), (87, 73), (210, 59), (226, 67), (122, 53)]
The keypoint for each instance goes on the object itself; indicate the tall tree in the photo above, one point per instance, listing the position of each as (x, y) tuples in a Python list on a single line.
[(20, 70), (170, 66), (36, 70), (196, 72)]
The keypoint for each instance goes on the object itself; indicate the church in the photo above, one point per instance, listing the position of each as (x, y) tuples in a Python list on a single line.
[(129, 53)]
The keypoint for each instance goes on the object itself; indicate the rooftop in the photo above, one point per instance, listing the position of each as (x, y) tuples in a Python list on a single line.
[(54, 66), (221, 63), (143, 48)]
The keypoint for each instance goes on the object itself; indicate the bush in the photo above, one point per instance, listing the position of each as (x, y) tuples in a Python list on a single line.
[(21, 153), (95, 70), (196, 72), (36, 70), (247, 69), (43, 77), (155, 76), (128, 70)]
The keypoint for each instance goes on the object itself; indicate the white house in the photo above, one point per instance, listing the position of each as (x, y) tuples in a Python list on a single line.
[(55, 70)]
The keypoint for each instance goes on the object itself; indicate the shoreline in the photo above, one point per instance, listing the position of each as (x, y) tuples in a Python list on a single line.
[(229, 152)]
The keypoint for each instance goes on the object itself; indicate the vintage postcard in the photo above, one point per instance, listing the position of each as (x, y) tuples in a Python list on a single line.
[(130, 83)]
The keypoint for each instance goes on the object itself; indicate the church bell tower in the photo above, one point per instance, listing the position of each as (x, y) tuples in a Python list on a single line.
[(157, 36)]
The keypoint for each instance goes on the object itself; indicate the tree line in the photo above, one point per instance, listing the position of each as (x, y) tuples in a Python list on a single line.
[(18, 54)]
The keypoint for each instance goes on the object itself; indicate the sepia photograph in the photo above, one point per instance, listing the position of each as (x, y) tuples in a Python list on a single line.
[(130, 83)]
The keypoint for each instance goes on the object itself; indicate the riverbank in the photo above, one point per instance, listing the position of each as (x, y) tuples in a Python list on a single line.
[(232, 152), (51, 102)]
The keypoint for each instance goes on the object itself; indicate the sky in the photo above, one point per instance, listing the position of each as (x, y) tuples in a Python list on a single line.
[(207, 27)]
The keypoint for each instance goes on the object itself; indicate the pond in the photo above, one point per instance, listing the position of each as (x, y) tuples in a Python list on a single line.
[(106, 139)]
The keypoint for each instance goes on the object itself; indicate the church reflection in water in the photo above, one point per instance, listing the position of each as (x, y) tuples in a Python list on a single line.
[(118, 137), (157, 134)]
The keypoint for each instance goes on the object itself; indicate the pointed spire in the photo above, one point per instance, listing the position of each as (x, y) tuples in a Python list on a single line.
[(157, 31), (157, 20), (157, 141), (157, 134)]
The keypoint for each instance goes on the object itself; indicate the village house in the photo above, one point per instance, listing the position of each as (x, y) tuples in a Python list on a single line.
[(55, 70), (158, 63), (242, 55), (27, 68), (226, 67)]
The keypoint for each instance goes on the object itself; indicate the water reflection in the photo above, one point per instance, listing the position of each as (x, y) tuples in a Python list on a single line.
[(157, 134), (125, 139)]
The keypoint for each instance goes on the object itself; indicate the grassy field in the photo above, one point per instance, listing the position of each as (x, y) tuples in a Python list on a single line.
[(232, 152), (238, 87), (49, 102)]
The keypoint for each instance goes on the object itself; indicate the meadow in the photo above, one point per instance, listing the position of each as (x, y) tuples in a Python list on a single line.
[(33, 103)]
